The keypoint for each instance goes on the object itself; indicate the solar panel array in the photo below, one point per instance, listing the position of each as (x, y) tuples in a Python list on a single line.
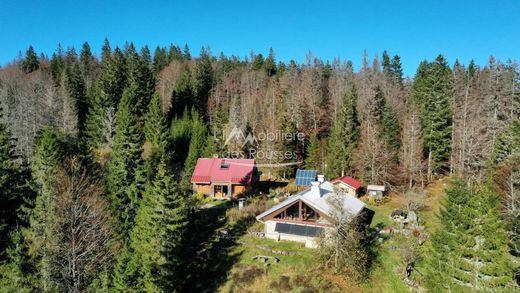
[(299, 230), (305, 177)]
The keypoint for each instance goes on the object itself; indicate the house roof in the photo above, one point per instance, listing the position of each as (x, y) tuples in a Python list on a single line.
[(235, 171), (317, 198), (376, 187), (349, 181)]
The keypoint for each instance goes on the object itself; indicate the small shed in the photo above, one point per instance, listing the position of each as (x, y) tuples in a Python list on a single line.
[(376, 191), (348, 184)]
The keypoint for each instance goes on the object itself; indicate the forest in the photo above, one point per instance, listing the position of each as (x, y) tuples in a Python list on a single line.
[(96, 156)]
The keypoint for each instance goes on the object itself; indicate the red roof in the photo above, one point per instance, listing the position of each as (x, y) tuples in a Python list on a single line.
[(349, 181), (236, 171)]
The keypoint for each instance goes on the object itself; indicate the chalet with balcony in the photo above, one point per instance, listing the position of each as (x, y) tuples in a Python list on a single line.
[(303, 216)]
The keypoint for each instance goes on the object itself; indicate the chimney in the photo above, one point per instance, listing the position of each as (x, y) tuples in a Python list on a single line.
[(321, 178), (315, 188)]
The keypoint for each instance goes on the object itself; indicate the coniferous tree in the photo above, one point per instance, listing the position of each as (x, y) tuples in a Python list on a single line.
[(182, 95), (31, 62), (186, 52), (50, 150), (125, 163), (397, 69), (56, 66), (470, 246), (390, 128), (86, 63), (432, 91), (270, 63), (154, 258), (313, 159), (386, 63), (76, 91), (160, 59), (202, 81), (343, 138), (113, 74), (13, 189), (196, 148)]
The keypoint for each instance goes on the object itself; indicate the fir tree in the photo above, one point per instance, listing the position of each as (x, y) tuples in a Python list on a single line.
[(126, 160), (313, 159), (386, 64), (343, 138), (12, 186), (470, 246), (76, 90), (182, 95), (397, 69), (113, 75), (160, 59), (432, 92), (196, 148), (50, 150), (270, 63), (153, 263), (31, 62), (390, 128), (86, 62), (202, 81), (186, 52)]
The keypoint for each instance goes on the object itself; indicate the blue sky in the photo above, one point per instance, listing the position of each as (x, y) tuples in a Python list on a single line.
[(415, 30)]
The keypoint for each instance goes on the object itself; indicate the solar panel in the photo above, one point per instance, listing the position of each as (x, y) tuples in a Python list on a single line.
[(299, 230), (305, 177)]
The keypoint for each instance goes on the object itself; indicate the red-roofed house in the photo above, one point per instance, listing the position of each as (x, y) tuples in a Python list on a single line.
[(348, 184), (223, 178)]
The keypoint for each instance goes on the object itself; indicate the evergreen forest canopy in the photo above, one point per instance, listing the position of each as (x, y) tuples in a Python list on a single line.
[(96, 155)]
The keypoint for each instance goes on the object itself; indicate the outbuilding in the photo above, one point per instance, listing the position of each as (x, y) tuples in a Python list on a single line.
[(376, 191)]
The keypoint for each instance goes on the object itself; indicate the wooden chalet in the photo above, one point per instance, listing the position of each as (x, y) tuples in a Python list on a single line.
[(303, 216), (223, 178)]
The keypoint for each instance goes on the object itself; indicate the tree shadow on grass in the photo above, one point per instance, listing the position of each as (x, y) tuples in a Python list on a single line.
[(208, 257)]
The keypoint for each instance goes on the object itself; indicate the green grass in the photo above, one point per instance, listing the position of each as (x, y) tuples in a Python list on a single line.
[(385, 271)]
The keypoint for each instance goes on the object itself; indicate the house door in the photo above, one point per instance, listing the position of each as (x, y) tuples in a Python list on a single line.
[(221, 190)]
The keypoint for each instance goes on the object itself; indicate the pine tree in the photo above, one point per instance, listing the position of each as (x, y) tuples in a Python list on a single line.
[(432, 92), (125, 162), (175, 53), (113, 74), (50, 150), (196, 149), (313, 159), (390, 128), (160, 59), (154, 258), (470, 246), (397, 69), (343, 138), (100, 121), (31, 62), (86, 63), (140, 76), (186, 53), (386, 64), (76, 91), (155, 130), (270, 63), (12, 186), (182, 95), (202, 81), (56, 66)]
